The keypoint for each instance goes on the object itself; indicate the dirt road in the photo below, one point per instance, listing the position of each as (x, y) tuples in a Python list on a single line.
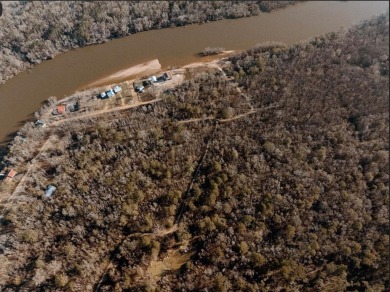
[(104, 111)]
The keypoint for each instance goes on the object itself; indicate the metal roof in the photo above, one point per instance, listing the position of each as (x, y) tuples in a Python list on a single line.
[(50, 190)]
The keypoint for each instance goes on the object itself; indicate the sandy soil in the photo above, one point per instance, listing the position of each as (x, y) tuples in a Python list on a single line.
[(173, 261), (149, 67), (228, 52), (210, 60), (104, 111), (177, 79), (153, 66)]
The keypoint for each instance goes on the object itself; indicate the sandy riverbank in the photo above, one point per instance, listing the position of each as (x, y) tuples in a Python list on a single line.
[(209, 60), (178, 76), (149, 67)]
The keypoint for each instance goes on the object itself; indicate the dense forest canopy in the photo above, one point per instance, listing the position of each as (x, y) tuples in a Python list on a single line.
[(270, 175), (32, 31)]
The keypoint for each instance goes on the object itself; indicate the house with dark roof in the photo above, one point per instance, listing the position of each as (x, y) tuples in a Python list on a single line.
[(167, 76), (40, 124)]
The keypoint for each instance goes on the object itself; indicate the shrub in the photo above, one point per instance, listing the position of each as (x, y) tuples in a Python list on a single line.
[(212, 51), (61, 280)]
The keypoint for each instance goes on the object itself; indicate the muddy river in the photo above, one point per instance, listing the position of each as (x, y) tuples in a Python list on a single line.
[(74, 70)]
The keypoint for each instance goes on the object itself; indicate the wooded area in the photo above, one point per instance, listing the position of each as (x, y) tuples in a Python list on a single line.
[(293, 194), (33, 31)]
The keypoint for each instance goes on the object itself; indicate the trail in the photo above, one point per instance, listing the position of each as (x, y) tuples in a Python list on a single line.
[(168, 262), (157, 233), (172, 261), (179, 214), (104, 111), (248, 99), (238, 116), (31, 166), (195, 120)]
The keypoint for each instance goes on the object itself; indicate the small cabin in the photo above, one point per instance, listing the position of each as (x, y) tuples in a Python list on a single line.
[(117, 89), (50, 190), (10, 175), (77, 105), (167, 76), (110, 93), (40, 124), (103, 95), (153, 79), (61, 109), (140, 88)]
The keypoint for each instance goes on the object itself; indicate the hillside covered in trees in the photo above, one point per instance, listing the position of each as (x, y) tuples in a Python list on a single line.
[(269, 175), (33, 31)]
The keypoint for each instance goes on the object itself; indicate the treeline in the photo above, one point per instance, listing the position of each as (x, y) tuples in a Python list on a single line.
[(39, 30), (292, 196)]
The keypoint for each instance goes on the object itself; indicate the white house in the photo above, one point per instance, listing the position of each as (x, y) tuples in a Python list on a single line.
[(117, 89), (153, 79), (140, 88), (110, 93), (50, 190)]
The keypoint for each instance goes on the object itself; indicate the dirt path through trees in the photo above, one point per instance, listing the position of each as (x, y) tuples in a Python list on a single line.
[(157, 233), (31, 166), (173, 261), (105, 111)]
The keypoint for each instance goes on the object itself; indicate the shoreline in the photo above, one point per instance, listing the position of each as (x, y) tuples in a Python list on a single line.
[(149, 67), (130, 73), (124, 75), (146, 68)]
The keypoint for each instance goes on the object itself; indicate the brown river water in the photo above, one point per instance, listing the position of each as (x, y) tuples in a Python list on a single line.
[(72, 71)]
